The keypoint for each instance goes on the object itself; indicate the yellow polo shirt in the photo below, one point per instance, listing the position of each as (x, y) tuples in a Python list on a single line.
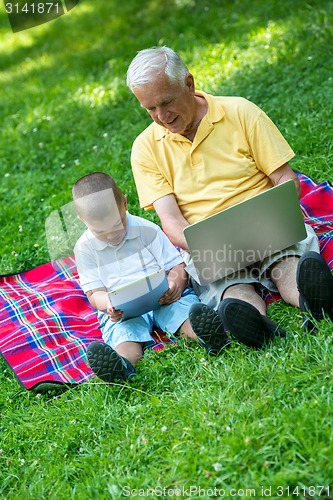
[(234, 150)]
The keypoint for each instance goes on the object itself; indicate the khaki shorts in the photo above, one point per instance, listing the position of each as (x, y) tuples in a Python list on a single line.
[(255, 274)]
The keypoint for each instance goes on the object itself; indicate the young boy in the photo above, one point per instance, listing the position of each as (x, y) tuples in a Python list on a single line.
[(116, 249)]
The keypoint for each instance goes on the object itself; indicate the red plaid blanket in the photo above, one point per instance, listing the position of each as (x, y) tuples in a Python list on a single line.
[(317, 205), (46, 323)]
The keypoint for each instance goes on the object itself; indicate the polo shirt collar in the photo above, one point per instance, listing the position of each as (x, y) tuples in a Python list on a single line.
[(159, 131), (215, 113)]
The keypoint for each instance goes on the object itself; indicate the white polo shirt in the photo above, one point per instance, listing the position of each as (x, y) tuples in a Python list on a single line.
[(144, 250)]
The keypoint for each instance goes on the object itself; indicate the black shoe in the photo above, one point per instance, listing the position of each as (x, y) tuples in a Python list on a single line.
[(107, 364), (315, 286), (208, 327), (246, 324)]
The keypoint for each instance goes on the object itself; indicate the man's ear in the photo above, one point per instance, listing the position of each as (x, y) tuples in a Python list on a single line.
[(189, 82), (125, 201)]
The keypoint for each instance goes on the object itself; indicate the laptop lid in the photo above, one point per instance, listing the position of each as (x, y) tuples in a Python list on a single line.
[(141, 296), (246, 233)]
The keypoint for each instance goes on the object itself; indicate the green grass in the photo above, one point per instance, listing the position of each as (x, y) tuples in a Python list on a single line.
[(248, 419)]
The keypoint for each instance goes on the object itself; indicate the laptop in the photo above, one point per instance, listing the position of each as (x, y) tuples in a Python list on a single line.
[(245, 233), (141, 296)]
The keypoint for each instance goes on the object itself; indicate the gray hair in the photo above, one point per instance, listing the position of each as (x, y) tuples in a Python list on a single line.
[(149, 63)]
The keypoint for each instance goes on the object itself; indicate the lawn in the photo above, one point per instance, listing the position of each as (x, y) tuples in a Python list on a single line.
[(248, 423)]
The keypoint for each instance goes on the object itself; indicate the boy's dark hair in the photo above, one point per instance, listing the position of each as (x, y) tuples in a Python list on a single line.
[(90, 184)]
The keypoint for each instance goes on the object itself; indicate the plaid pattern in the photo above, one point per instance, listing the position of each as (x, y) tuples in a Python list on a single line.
[(317, 205), (46, 323)]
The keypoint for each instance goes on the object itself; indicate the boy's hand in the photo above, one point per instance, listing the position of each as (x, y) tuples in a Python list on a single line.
[(172, 294), (114, 314)]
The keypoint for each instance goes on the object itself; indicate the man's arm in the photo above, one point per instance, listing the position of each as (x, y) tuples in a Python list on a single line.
[(172, 220), (283, 174)]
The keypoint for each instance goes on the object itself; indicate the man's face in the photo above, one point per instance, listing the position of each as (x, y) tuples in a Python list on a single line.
[(169, 104)]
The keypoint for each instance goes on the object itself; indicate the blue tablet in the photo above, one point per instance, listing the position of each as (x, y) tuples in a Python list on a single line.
[(141, 296)]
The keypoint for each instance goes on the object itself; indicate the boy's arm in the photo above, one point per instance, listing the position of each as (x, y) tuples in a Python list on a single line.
[(178, 281), (99, 299)]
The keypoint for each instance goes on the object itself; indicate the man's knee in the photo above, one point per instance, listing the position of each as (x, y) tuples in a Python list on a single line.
[(284, 269), (246, 292), (239, 291)]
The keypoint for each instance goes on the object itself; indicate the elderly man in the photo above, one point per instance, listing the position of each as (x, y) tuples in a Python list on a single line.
[(202, 154)]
